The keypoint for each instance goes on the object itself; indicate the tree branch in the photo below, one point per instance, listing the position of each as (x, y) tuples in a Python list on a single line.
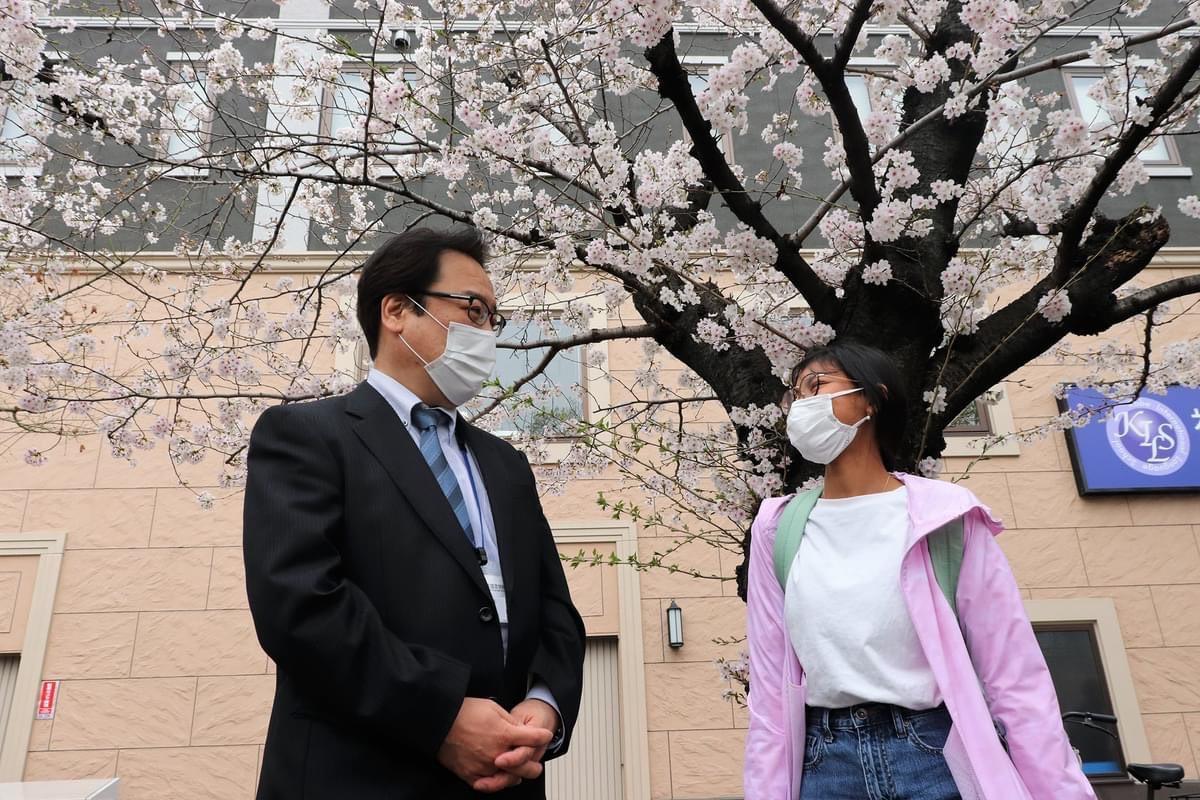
[(592, 337), (680, 401), (854, 26), (1018, 228), (1147, 299), (556, 346), (1117, 250), (995, 79), (673, 85), (1056, 62), (831, 76), (1078, 217), (1147, 342)]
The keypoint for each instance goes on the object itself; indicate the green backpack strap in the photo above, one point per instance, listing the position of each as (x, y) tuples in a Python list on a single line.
[(945, 545), (791, 530), (946, 554)]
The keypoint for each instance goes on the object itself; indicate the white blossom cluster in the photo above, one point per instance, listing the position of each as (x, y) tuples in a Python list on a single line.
[(135, 307)]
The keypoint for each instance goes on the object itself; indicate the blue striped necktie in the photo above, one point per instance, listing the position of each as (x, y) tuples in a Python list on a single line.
[(427, 421)]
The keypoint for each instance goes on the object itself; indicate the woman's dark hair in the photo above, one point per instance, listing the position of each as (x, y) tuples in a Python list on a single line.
[(408, 264), (882, 386)]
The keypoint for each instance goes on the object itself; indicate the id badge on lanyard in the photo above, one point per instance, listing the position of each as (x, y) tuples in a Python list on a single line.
[(495, 582)]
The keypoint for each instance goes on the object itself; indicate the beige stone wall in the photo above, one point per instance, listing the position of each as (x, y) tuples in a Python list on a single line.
[(163, 683)]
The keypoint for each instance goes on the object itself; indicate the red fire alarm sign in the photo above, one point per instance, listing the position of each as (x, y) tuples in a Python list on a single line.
[(47, 700)]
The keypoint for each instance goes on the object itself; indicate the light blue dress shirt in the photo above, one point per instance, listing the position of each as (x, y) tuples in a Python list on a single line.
[(402, 400)]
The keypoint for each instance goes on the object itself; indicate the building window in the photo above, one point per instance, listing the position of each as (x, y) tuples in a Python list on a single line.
[(551, 404), (971, 421), (859, 93), (867, 83), (1082, 87), (1073, 656), (346, 103), (1010, 145), (984, 428), (873, 89), (10, 665), (12, 133), (555, 130), (188, 120), (697, 69), (16, 144)]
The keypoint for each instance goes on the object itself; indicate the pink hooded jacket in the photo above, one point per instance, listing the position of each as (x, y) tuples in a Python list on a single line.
[(997, 672)]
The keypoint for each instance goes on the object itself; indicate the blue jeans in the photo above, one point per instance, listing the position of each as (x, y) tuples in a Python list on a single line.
[(876, 752)]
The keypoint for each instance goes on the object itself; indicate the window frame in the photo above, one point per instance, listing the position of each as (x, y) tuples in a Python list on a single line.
[(11, 167), (1000, 421), (183, 169), (863, 69), (1173, 167), (984, 428), (691, 65), (6, 149), (584, 393), (327, 108), (558, 137)]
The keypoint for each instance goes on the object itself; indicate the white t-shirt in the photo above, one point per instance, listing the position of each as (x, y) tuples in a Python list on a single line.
[(844, 610)]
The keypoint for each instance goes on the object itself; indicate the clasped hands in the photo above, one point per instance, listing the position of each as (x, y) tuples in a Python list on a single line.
[(492, 749)]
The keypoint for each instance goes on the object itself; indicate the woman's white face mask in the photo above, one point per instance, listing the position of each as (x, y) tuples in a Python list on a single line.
[(815, 430), (466, 363)]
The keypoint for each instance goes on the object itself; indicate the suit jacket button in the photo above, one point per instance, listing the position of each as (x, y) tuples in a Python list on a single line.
[(486, 614)]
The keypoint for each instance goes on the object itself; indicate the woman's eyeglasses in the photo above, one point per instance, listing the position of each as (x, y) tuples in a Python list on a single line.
[(810, 386)]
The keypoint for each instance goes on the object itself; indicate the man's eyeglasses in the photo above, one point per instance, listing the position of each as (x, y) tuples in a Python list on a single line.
[(810, 386), (477, 311)]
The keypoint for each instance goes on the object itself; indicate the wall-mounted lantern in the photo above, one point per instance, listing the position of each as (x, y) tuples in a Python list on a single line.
[(674, 625)]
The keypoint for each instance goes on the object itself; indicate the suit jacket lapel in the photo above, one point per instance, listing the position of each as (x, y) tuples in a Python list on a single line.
[(385, 436), (492, 465)]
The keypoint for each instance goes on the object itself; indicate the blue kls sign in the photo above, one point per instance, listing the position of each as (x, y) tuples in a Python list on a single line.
[(1148, 445)]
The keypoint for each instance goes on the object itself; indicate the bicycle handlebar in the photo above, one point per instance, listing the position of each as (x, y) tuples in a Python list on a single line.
[(1088, 716)]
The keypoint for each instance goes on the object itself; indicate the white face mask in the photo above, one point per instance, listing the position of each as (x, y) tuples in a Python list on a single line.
[(468, 360), (815, 430)]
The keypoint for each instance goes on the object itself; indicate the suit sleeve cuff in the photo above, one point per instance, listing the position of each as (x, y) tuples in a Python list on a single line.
[(540, 691)]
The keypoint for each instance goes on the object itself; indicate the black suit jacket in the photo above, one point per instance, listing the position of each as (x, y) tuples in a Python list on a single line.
[(368, 597)]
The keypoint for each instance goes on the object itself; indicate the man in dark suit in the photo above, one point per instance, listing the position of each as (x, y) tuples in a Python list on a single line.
[(400, 570)]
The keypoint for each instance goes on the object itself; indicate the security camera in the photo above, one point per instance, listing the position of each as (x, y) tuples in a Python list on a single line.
[(401, 40)]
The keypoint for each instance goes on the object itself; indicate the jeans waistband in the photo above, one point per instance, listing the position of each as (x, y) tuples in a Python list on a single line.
[(866, 715)]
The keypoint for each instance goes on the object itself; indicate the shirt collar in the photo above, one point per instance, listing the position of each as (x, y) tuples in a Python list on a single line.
[(402, 399)]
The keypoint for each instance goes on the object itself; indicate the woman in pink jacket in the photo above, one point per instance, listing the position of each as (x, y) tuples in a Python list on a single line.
[(864, 683)]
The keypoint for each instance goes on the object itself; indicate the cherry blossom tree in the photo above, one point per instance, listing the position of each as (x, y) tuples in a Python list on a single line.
[(965, 217)]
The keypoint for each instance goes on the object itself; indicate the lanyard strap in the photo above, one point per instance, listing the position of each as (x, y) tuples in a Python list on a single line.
[(480, 551)]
